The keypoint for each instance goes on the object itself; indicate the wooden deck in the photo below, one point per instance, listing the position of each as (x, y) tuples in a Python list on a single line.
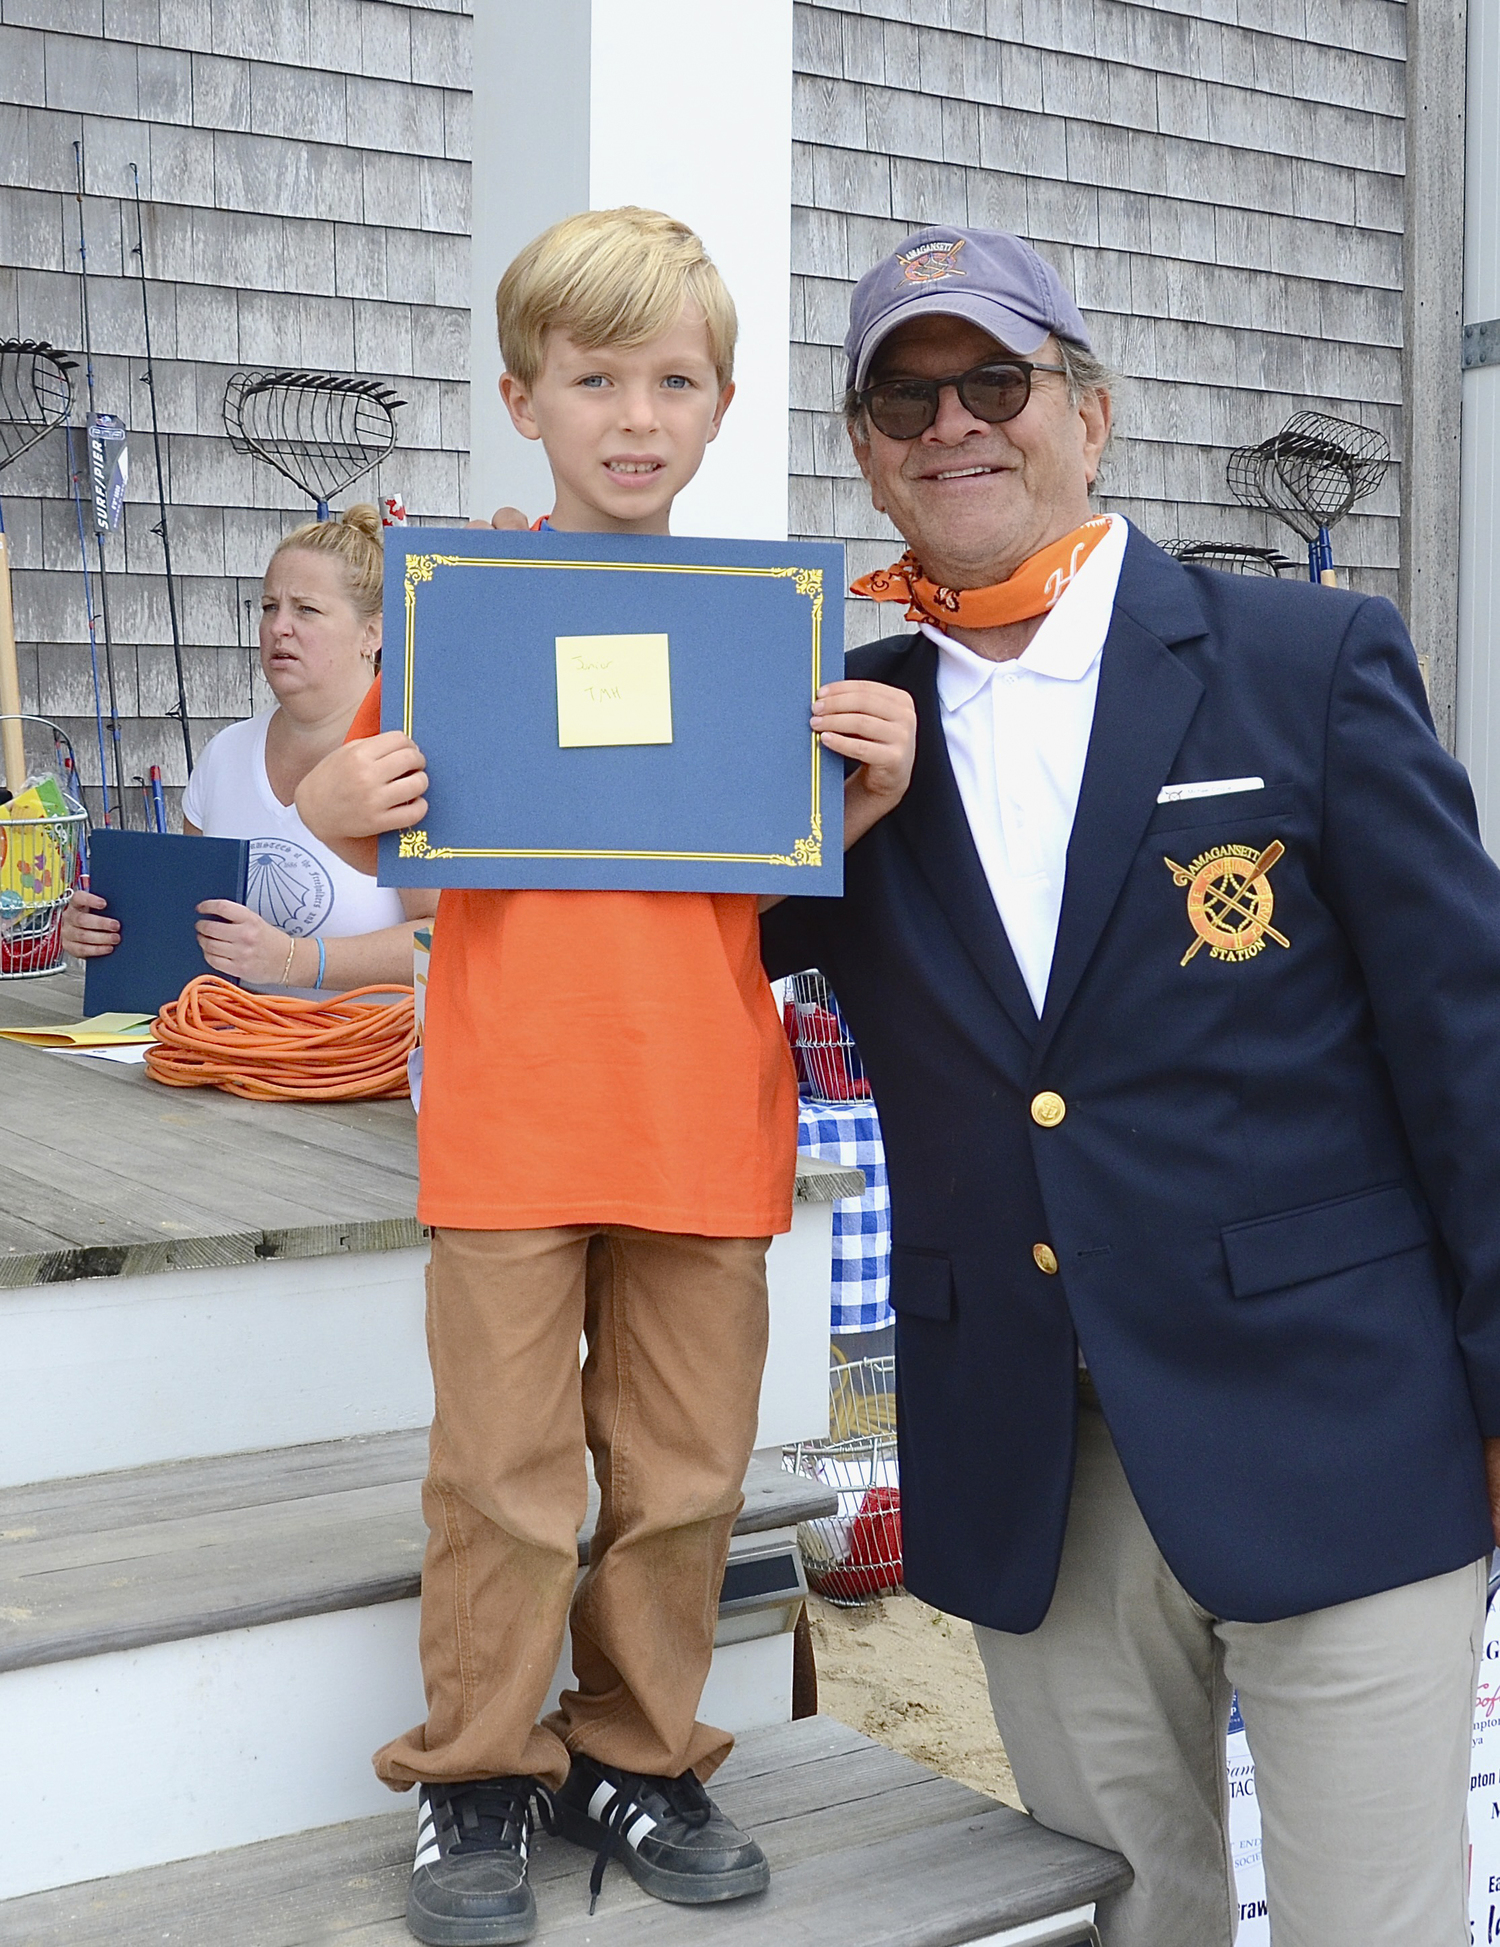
[(867, 1849), (106, 1172)]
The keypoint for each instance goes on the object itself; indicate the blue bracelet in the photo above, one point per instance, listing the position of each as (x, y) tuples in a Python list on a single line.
[(322, 963)]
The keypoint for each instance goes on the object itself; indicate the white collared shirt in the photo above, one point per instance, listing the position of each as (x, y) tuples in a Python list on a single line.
[(1017, 735)]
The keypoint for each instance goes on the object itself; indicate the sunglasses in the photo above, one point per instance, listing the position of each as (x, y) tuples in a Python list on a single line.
[(995, 392)]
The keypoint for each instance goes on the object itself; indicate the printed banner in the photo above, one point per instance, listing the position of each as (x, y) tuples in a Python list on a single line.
[(1244, 1837), (1484, 1788)]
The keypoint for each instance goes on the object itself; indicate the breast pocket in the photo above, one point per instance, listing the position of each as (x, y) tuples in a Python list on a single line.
[(1212, 815), (1296, 1246), (1222, 855)]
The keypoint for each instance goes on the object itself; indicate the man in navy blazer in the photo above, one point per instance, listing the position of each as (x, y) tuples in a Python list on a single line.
[(1195, 1172)]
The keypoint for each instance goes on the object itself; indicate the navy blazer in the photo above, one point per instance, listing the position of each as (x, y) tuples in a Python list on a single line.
[(1274, 1196)]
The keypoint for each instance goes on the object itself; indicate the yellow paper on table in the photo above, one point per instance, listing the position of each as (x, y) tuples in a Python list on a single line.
[(98, 1031), (613, 689)]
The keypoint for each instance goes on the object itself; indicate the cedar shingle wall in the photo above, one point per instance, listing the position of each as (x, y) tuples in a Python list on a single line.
[(304, 166), (1221, 183)]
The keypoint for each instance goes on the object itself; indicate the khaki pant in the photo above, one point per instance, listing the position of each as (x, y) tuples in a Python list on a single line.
[(667, 1402), (1358, 1717)]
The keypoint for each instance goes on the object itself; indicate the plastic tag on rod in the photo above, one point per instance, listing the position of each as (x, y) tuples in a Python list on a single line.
[(109, 469)]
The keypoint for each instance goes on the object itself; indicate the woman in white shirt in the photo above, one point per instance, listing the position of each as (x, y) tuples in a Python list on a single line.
[(310, 920)]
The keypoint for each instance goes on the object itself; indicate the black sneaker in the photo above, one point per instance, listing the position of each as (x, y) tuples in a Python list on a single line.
[(673, 1839), (468, 1882)]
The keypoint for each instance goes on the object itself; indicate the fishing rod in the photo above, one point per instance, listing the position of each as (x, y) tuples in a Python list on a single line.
[(148, 379), (88, 609), (94, 447)]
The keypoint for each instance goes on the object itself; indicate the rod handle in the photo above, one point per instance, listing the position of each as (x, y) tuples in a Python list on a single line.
[(11, 738)]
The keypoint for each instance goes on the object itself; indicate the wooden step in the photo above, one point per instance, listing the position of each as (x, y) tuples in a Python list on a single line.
[(113, 1562), (217, 1646), (867, 1849), (185, 1273)]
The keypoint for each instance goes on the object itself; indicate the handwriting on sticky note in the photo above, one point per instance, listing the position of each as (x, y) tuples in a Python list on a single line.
[(613, 689)]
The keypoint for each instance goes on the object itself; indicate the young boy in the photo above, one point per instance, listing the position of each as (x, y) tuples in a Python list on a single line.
[(607, 1142)]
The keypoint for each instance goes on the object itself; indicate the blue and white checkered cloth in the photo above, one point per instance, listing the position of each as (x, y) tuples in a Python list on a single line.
[(849, 1133)]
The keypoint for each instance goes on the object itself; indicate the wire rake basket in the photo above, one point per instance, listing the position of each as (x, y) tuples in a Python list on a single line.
[(854, 1556), (828, 1065), (319, 430), (1232, 557), (39, 866)]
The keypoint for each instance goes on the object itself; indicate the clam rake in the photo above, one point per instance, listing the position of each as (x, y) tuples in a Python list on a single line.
[(1309, 475), (36, 395), (319, 431)]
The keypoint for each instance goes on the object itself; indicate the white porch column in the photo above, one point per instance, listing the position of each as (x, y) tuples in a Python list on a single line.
[(587, 104)]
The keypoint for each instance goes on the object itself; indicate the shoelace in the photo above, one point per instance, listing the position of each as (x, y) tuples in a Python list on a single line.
[(501, 1813), (684, 1796)]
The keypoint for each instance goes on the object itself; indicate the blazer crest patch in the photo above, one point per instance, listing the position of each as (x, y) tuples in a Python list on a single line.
[(1230, 900)]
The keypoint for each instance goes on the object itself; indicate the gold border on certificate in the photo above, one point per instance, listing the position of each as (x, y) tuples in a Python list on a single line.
[(806, 850)]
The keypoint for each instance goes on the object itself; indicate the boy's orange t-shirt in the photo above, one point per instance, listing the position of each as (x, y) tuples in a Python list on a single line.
[(602, 1058)]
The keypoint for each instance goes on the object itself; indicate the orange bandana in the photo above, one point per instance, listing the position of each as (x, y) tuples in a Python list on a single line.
[(1036, 586)]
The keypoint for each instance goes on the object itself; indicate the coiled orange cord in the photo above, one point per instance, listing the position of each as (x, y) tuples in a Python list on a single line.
[(276, 1047)]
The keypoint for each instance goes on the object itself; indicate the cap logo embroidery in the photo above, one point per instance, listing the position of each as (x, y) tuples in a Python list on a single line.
[(930, 263)]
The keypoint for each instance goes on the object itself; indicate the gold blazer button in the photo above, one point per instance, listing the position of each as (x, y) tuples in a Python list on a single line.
[(1046, 1259), (1048, 1109)]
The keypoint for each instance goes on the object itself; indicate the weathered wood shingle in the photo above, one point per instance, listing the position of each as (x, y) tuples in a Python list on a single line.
[(306, 176), (1220, 180)]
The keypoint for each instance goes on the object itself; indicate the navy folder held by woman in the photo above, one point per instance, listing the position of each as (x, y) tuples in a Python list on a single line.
[(152, 885)]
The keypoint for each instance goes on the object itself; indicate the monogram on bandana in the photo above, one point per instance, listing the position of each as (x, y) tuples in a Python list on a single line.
[(1036, 586)]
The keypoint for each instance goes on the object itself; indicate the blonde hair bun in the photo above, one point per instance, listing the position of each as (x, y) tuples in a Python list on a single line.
[(365, 515), (358, 540)]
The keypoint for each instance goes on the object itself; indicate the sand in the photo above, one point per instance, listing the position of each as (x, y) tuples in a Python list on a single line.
[(910, 1677)]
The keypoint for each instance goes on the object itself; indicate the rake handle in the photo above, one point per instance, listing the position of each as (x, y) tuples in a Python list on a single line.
[(11, 739)]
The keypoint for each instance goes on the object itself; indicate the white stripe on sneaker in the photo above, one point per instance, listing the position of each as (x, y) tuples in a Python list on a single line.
[(428, 1849), (640, 1827), (604, 1793)]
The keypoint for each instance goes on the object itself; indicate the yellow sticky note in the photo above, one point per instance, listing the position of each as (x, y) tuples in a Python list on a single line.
[(613, 689)]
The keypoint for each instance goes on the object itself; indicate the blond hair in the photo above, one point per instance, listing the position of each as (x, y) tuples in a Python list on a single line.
[(356, 539), (611, 277)]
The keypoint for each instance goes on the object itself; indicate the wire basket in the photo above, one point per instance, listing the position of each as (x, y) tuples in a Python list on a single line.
[(855, 1555), (828, 1065), (320, 431), (39, 863), (1233, 557), (1310, 473)]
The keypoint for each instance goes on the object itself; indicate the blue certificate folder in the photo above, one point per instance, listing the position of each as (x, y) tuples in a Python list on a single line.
[(614, 712), (152, 884)]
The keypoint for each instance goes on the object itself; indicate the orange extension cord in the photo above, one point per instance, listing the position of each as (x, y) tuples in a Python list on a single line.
[(275, 1047)]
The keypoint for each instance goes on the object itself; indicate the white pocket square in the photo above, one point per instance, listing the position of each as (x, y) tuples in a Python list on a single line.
[(1212, 787)]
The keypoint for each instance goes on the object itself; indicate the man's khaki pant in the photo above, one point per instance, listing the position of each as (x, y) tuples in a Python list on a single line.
[(667, 1402), (1358, 1717)]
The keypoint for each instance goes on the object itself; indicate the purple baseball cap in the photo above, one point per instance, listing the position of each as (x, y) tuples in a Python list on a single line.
[(987, 276)]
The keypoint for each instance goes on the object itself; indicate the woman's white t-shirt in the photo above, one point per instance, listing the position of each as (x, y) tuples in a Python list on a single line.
[(296, 883)]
